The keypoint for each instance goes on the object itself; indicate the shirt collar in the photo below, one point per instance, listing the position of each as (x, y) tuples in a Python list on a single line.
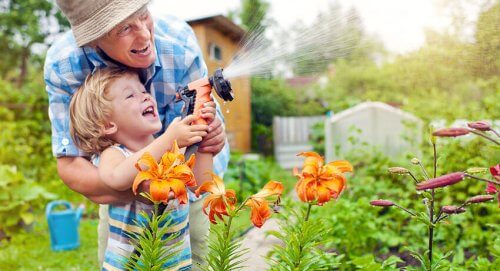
[(98, 59)]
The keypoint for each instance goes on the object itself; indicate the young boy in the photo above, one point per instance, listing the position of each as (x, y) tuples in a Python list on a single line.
[(114, 118)]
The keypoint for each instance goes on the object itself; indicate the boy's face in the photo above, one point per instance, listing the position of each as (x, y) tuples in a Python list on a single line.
[(134, 111), (131, 42)]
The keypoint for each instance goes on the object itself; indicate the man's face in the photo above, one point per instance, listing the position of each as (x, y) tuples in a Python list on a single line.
[(131, 42)]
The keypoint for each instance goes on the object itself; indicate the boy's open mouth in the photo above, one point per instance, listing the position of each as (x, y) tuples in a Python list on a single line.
[(149, 112)]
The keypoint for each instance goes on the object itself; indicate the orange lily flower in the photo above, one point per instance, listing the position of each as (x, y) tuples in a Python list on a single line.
[(219, 200), (259, 204), (318, 182), (172, 174)]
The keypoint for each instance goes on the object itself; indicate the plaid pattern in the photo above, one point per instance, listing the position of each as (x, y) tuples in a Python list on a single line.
[(178, 62)]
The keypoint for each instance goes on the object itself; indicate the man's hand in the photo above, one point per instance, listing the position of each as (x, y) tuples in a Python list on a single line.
[(214, 141)]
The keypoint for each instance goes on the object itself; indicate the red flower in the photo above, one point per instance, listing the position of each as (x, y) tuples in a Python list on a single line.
[(480, 198), (441, 181), (491, 188), (219, 200), (172, 174), (382, 203), (318, 182), (450, 132), (259, 202), (450, 209), (480, 125)]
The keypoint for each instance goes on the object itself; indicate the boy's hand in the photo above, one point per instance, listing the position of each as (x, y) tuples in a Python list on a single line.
[(184, 133), (208, 112)]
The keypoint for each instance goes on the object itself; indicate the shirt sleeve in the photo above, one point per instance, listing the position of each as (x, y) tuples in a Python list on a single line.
[(62, 78)]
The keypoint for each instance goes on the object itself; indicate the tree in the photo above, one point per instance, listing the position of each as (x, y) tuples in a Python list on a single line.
[(253, 14), (23, 25), (487, 43)]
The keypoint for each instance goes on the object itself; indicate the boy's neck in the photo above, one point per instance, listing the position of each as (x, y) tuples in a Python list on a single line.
[(134, 144)]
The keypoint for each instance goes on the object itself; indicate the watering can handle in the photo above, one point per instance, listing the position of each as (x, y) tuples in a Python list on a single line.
[(79, 212), (55, 203)]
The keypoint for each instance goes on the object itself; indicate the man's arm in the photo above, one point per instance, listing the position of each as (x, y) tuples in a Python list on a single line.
[(81, 176)]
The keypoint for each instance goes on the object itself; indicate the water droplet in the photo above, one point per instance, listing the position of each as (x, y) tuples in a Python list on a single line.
[(227, 111)]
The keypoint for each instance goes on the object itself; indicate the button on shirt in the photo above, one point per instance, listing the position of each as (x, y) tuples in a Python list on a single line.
[(178, 62)]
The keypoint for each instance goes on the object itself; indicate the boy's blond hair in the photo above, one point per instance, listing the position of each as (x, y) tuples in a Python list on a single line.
[(90, 110)]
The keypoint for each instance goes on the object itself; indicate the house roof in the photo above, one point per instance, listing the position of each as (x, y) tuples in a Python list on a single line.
[(301, 81), (222, 24)]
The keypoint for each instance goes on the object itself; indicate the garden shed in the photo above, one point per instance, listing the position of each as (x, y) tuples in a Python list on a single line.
[(219, 39), (392, 130)]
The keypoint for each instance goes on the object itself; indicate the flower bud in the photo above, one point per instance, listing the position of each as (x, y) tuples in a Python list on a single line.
[(476, 170), (480, 198), (480, 125), (450, 209), (415, 161), (450, 132), (441, 181), (382, 203), (398, 170)]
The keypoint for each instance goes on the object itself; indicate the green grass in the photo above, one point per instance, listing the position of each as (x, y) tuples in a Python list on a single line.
[(31, 250)]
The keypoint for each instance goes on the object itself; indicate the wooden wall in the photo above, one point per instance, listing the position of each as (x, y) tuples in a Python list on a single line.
[(237, 113)]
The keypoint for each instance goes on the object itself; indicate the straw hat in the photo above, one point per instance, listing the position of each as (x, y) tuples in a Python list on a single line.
[(90, 19)]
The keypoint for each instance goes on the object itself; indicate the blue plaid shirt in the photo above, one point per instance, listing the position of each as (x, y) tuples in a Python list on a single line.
[(178, 62)]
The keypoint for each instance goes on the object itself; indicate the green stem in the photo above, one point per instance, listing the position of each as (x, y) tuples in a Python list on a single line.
[(301, 246), (231, 215), (435, 158), (443, 217), (440, 213), (484, 136), (426, 175), (482, 179), (308, 212), (495, 132), (431, 227), (413, 176), (431, 211), (404, 209)]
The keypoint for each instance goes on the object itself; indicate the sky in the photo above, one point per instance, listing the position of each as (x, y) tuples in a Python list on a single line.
[(399, 24)]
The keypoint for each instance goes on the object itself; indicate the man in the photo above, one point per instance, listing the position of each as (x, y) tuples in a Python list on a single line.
[(107, 33)]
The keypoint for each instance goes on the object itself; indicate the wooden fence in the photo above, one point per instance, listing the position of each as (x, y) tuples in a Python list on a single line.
[(291, 136)]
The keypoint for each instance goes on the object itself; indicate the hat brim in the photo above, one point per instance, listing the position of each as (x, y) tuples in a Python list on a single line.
[(104, 20)]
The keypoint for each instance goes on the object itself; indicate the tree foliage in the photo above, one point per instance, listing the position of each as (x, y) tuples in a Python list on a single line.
[(253, 14), (24, 24)]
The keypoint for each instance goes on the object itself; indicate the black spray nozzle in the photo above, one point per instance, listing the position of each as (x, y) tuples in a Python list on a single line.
[(222, 86)]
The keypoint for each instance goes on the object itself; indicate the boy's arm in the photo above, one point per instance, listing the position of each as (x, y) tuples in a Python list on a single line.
[(83, 177), (119, 172), (203, 166)]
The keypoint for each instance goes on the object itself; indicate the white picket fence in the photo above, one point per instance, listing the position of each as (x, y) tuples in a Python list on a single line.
[(291, 136)]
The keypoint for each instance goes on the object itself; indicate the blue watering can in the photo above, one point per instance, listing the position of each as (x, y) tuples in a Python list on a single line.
[(63, 225)]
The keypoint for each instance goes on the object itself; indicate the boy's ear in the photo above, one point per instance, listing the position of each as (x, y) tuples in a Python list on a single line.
[(110, 128)]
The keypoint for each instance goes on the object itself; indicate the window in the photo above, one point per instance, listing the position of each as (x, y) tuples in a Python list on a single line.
[(215, 52)]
